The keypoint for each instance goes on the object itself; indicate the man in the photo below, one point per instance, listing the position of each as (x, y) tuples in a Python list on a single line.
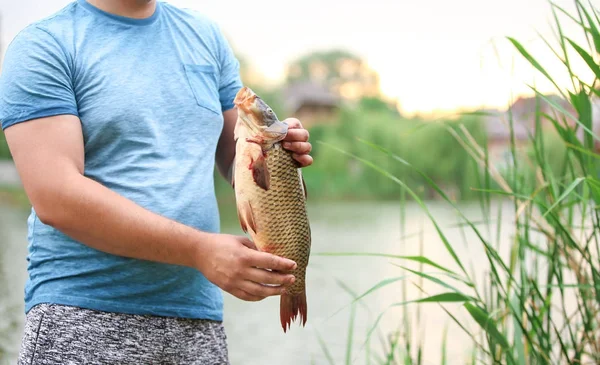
[(116, 112)]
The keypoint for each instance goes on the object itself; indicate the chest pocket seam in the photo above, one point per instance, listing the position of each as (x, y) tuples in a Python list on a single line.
[(202, 79)]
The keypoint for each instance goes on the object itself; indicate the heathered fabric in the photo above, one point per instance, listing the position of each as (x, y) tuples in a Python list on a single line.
[(64, 335)]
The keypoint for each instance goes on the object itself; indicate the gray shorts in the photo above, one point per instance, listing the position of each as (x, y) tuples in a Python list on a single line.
[(56, 334)]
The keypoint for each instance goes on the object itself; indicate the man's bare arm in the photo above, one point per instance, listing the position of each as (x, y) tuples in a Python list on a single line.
[(226, 146), (49, 156)]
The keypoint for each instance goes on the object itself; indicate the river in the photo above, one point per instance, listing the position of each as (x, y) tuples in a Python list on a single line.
[(254, 332)]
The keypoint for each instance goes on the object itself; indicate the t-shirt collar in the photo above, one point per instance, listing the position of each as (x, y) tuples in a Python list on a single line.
[(122, 19)]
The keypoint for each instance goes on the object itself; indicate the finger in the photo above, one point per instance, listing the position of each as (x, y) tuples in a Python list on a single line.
[(293, 123), (303, 160), (246, 242), (297, 135), (258, 290), (243, 295), (298, 147), (269, 277), (270, 261)]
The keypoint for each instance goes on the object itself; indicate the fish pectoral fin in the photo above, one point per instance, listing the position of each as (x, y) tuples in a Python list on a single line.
[(246, 217), (260, 172)]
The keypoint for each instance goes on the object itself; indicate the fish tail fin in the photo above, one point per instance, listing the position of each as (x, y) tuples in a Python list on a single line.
[(290, 306)]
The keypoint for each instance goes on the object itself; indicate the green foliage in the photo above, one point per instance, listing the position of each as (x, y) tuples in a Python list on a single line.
[(14, 196), (426, 145), (341, 72), (4, 151), (548, 147), (328, 58), (377, 105)]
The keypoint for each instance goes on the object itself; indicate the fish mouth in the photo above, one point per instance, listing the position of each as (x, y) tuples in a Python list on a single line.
[(276, 132), (243, 95)]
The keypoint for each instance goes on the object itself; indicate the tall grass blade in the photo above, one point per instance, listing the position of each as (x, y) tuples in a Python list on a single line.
[(431, 278), (419, 259), (350, 337), (592, 29), (438, 298), (594, 185), (374, 288), (532, 60), (518, 333), (564, 195), (569, 15), (582, 104), (583, 150), (444, 360), (563, 46), (445, 298), (586, 57), (596, 14), (378, 286), (325, 349), (487, 324), (565, 112)]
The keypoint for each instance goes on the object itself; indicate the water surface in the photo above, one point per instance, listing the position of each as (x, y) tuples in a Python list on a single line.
[(254, 332)]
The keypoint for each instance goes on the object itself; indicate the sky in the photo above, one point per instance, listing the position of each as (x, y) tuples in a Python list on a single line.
[(433, 56)]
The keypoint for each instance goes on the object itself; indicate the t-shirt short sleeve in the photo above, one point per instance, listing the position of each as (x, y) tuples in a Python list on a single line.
[(36, 79), (230, 79)]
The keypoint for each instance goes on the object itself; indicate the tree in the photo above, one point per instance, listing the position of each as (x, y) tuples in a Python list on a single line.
[(343, 73), (4, 151)]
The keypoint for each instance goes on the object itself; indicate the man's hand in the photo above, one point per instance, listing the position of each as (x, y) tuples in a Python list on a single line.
[(296, 141), (235, 265)]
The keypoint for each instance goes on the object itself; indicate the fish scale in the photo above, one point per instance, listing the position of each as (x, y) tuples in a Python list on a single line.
[(281, 220)]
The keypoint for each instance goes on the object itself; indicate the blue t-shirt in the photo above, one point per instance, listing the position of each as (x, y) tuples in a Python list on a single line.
[(150, 94)]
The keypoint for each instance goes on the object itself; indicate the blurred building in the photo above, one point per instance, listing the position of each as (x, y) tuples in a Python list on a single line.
[(524, 110), (524, 113), (497, 124), (311, 103)]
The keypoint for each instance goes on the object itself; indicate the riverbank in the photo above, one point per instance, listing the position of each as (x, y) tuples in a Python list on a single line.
[(14, 196), (11, 189)]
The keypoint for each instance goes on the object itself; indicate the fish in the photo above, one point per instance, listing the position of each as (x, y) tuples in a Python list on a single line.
[(270, 195)]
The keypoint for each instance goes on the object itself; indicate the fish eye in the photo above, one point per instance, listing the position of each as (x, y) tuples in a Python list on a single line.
[(270, 111)]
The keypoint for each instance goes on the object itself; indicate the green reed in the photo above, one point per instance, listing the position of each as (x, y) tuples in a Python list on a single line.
[(540, 303)]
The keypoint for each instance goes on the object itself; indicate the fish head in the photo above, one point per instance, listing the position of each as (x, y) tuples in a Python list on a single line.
[(258, 118)]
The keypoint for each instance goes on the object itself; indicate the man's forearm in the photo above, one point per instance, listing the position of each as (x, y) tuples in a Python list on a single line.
[(100, 218), (225, 155)]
